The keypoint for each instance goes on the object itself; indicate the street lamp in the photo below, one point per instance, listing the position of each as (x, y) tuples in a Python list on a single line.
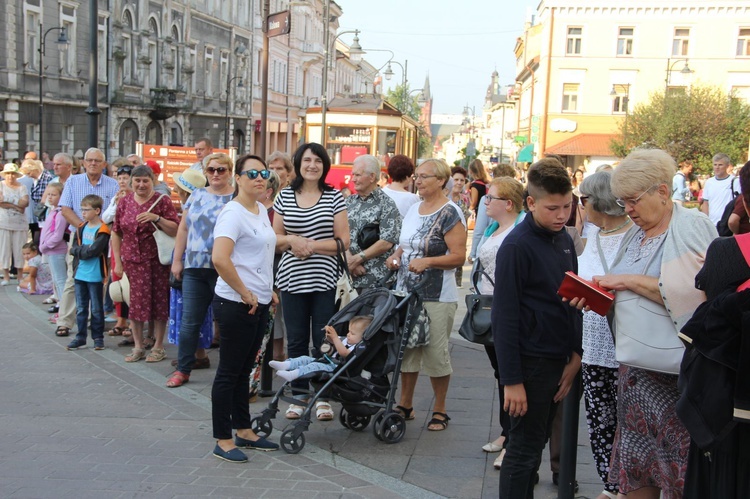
[(670, 66), (389, 74), (226, 110), (355, 56), (62, 41), (470, 145)]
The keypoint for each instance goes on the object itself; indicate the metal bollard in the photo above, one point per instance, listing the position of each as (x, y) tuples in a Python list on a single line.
[(569, 441)]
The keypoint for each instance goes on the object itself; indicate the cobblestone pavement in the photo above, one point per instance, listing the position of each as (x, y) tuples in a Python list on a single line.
[(86, 424)]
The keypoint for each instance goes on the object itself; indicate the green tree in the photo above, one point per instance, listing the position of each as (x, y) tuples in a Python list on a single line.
[(408, 103), (692, 125)]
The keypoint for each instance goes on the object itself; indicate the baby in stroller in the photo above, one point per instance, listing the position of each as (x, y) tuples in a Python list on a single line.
[(292, 369)]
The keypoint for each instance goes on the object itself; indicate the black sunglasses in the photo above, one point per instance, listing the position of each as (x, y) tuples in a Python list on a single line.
[(125, 170), (211, 170), (253, 174)]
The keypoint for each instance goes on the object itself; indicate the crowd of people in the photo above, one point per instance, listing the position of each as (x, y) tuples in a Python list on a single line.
[(254, 266)]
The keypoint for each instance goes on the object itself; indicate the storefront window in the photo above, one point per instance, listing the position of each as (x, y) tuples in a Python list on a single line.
[(345, 143), (387, 142)]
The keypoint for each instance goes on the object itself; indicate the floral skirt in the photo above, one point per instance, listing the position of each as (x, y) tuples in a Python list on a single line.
[(175, 319), (651, 444)]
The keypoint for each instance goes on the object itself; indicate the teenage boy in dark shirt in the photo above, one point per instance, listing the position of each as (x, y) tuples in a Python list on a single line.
[(537, 336)]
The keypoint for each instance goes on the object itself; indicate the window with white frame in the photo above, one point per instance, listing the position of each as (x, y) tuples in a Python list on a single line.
[(192, 61), (223, 71), (625, 41), (101, 42), (174, 56), (743, 43), (208, 65), (32, 14), (68, 139), (570, 97), (153, 55), (620, 98), (574, 40), (68, 55), (680, 42)]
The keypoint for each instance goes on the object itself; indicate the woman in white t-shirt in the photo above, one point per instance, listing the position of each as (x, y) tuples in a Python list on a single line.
[(504, 203), (244, 245), (400, 170)]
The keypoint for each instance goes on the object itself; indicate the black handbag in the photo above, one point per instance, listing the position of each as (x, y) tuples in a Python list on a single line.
[(174, 283), (40, 211), (368, 235), (477, 324)]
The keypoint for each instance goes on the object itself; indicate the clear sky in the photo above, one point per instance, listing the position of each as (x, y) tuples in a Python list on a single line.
[(459, 43)]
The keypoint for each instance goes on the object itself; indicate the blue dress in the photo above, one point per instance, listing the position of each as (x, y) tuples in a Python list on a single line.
[(175, 318)]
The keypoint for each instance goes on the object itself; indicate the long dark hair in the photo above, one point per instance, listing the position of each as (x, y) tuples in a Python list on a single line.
[(320, 152)]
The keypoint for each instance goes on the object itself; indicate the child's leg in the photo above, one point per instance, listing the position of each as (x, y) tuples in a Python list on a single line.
[(82, 308), (528, 434), (291, 364), (96, 292), (305, 369)]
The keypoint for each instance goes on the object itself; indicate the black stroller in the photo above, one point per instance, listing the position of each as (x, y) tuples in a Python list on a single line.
[(360, 383)]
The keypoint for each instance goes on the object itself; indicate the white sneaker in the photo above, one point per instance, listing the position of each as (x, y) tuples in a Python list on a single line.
[(4, 283)]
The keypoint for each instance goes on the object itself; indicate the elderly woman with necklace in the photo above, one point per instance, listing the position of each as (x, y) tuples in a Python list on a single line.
[(14, 199), (139, 214), (658, 260), (599, 367)]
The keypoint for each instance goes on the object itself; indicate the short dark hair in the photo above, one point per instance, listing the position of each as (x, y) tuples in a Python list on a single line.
[(400, 167), (320, 152), (94, 201), (143, 171), (239, 164), (548, 176), (207, 141), (459, 169)]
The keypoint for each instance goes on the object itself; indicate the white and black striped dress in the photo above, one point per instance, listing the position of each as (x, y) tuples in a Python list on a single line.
[(318, 272)]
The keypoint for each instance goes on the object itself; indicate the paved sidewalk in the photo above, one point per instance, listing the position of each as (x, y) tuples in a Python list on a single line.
[(87, 424)]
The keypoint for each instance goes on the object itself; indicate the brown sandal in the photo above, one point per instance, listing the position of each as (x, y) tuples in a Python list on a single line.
[(116, 331), (156, 355), (62, 331)]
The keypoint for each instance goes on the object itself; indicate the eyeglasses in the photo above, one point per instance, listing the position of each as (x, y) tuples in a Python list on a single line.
[(489, 197), (422, 176), (89, 160), (622, 203), (253, 174), (584, 199), (211, 170), (125, 170)]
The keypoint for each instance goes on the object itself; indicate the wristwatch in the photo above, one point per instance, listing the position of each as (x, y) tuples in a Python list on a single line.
[(157, 220), (362, 256)]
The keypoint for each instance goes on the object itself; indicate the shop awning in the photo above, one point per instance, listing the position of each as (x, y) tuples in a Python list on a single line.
[(526, 154), (584, 144)]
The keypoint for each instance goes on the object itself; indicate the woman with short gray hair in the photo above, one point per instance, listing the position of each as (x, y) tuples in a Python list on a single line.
[(599, 368)]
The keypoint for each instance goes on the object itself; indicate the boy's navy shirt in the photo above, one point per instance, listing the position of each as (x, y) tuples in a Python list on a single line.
[(528, 316)]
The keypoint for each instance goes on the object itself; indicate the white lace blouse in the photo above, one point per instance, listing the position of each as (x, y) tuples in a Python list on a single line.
[(598, 347)]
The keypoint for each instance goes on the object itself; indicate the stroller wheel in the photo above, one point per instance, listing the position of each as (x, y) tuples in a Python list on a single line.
[(292, 442), (342, 417), (357, 423), (261, 426), (392, 428), (376, 426)]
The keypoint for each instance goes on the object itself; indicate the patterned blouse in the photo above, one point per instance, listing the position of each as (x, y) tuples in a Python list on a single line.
[(11, 219), (203, 209), (138, 245), (377, 207)]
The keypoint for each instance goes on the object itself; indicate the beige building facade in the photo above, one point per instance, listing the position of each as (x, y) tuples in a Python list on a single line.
[(582, 64)]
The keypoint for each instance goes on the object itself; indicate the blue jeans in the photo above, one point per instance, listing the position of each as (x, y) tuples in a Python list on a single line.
[(307, 365), (93, 293), (59, 271), (527, 435), (241, 335), (197, 293), (305, 315)]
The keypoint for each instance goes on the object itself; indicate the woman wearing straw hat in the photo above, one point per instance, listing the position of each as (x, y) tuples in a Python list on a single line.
[(14, 199)]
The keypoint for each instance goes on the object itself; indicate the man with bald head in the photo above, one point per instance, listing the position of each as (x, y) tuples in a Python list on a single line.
[(76, 188)]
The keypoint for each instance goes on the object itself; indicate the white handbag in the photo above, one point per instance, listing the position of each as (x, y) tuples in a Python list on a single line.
[(164, 243), (645, 335), (345, 291)]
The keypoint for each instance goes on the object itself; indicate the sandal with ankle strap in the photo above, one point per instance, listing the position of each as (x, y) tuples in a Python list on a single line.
[(408, 414), (177, 379), (136, 354), (435, 421)]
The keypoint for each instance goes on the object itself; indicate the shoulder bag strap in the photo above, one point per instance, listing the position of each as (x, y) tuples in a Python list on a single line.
[(601, 254), (156, 202)]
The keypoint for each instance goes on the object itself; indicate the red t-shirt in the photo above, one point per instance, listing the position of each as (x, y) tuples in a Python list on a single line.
[(739, 209)]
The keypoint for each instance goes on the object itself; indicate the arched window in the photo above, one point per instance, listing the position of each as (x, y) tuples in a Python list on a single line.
[(153, 133), (174, 57), (175, 134), (128, 137), (127, 47), (153, 53)]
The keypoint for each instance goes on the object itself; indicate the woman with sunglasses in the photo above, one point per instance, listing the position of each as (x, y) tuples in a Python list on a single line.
[(193, 266), (309, 215), (243, 250), (658, 260)]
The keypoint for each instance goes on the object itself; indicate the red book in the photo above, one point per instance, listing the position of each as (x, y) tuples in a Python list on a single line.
[(598, 299)]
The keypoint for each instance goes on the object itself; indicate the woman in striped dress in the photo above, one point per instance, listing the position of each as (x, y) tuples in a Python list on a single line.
[(309, 215)]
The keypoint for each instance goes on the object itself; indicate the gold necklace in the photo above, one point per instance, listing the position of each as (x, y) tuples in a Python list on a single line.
[(610, 231)]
